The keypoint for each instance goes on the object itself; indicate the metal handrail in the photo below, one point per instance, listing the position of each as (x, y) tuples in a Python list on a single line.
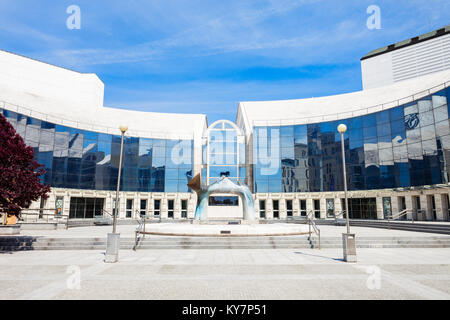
[(106, 213), (139, 230), (357, 112), (39, 213), (312, 223), (399, 215), (337, 215)]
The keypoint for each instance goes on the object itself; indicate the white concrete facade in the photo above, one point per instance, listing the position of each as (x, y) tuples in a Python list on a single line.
[(405, 63)]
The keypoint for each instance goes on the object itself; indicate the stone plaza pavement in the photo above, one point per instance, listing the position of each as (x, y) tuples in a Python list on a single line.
[(227, 274)]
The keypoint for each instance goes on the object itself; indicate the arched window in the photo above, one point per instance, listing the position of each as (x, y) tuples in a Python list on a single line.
[(224, 152)]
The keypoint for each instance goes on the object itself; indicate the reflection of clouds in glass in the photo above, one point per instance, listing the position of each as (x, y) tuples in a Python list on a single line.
[(398, 141)]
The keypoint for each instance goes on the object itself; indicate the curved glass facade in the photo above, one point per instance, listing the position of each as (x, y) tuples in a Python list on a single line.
[(82, 159), (408, 145)]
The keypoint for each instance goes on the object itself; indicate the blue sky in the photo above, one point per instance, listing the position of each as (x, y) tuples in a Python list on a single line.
[(206, 56)]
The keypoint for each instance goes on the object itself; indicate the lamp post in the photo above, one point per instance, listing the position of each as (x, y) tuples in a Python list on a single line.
[(348, 239), (113, 241)]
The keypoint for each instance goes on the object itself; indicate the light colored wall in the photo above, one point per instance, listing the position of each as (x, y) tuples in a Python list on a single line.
[(109, 197), (423, 58), (29, 82)]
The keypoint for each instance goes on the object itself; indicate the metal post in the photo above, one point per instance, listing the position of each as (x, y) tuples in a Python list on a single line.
[(113, 240), (348, 239), (345, 182), (118, 184)]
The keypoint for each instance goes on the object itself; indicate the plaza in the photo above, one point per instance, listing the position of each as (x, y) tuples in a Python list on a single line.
[(229, 274), (392, 264)]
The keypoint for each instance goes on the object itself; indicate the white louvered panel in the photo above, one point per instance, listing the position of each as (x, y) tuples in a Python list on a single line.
[(421, 59)]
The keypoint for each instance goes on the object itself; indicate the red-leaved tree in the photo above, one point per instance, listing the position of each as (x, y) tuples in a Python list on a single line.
[(20, 183)]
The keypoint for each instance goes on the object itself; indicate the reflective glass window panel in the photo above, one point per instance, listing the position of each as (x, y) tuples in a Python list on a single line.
[(217, 135), (384, 142), (217, 171), (160, 143), (159, 152), (242, 173), (400, 153), (382, 117), (410, 109), (241, 153), (440, 113), (287, 131), (10, 115), (383, 129), (275, 185), (415, 151), (369, 133), (369, 120), (413, 136), (287, 142), (424, 106), (411, 121), (355, 134), (429, 147), (355, 123), (287, 153), (439, 99), (398, 127), (386, 155), (442, 128), (426, 118), (171, 174), (300, 134), (261, 186), (171, 186), (158, 162), (428, 132), (396, 113)]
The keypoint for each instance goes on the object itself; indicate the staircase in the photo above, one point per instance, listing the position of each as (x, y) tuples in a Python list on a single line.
[(406, 226), (386, 242), (20, 243)]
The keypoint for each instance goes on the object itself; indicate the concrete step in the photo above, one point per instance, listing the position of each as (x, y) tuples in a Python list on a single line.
[(15, 243)]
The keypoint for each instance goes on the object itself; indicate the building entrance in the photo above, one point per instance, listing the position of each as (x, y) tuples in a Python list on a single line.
[(85, 208)]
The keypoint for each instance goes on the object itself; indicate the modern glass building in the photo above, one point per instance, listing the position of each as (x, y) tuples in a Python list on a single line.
[(397, 149)]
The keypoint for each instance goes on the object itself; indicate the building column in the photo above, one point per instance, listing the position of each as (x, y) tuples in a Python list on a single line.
[(192, 204), (282, 204), (379, 203), (269, 211), (256, 202), (309, 207), (66, 205), (295, 207), (177, 208), (136, 207), (394, 205), (409, 206), (441, 206), (425, 206), (163, 209), (122, 206), (323, 208), (338, 206)]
